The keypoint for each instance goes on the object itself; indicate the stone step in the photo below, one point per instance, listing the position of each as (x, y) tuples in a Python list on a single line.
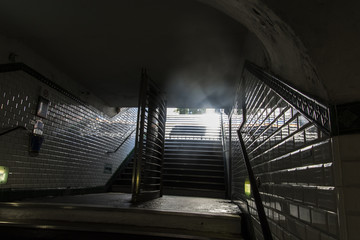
[(102, 214)]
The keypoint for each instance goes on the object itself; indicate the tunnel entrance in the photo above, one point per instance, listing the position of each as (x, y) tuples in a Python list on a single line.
[(194, 159)]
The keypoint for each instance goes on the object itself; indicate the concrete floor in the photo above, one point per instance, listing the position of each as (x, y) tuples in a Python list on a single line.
[(211, 206), (172, 217)]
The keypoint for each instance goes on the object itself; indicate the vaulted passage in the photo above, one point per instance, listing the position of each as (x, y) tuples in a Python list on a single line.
[(193, 158)]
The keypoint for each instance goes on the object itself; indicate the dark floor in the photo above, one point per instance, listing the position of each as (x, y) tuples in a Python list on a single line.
[(210, 206), (113, 214)]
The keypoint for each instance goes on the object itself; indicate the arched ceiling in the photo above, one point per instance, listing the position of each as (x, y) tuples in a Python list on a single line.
[(312, 44), (192, 50)]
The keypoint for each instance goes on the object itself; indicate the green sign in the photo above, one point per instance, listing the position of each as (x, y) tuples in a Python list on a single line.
[(4, 173)]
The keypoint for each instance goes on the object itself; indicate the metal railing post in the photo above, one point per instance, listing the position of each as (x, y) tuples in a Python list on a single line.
[(259, 206), (226, 163)]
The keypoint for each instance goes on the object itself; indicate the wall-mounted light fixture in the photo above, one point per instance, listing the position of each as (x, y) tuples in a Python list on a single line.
[(42, 107), (4, 173), (247, 188)]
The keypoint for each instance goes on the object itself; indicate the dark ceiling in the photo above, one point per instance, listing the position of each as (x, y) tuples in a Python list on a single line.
[(192, 50)]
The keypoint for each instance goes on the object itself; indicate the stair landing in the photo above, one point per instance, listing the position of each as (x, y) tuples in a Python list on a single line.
[(170, 217)]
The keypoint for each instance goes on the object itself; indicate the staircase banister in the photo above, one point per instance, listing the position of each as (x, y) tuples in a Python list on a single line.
[(122, 143), (226, 165), (6, 131), (255, 191), (314, 109)]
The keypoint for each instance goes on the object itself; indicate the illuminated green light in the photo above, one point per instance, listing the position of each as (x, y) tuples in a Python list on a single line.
[(4, 173), (247, 188)]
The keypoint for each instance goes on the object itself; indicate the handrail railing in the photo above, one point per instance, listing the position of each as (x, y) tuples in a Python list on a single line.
[(13, 129), (223, 141), (10, 67), (253, 183), (149, 142), (122, 143), (313, 109)]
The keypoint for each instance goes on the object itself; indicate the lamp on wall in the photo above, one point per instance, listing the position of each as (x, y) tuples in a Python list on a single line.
[(4, 173), (42, 107), (247, 187)]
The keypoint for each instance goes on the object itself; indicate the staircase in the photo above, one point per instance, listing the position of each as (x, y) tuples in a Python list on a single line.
[(193, 161), (193, 164), (122, 182)]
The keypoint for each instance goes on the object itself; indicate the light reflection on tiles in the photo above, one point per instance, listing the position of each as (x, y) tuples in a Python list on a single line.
[(76, 138), (293, 159)]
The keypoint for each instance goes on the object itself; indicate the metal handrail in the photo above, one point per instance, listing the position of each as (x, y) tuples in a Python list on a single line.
[(223, 141), (253, 183), (150, 137), (254, 188), (122, 143), (13, 129), (11, 67), (312, 108)]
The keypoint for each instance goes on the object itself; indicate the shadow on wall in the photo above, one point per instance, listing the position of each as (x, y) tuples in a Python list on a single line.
[(76, 138)]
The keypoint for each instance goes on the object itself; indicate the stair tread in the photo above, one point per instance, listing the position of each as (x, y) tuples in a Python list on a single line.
[(193, 148), (174, 142), (176, 128), (193, 189), (193, 155), (197, 170), (201, 161), (192, 179), (193, 182), (192, 159), (193, 141), (192, 175), (181, 191), (183, 149), (192, 164)]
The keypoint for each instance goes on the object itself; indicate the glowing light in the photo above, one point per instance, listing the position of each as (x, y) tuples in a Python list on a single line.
[(247, 188), (4, 172)]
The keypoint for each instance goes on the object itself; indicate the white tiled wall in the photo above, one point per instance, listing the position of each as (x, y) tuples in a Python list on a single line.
[(77, 138), (347, 160), (294, 161)]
